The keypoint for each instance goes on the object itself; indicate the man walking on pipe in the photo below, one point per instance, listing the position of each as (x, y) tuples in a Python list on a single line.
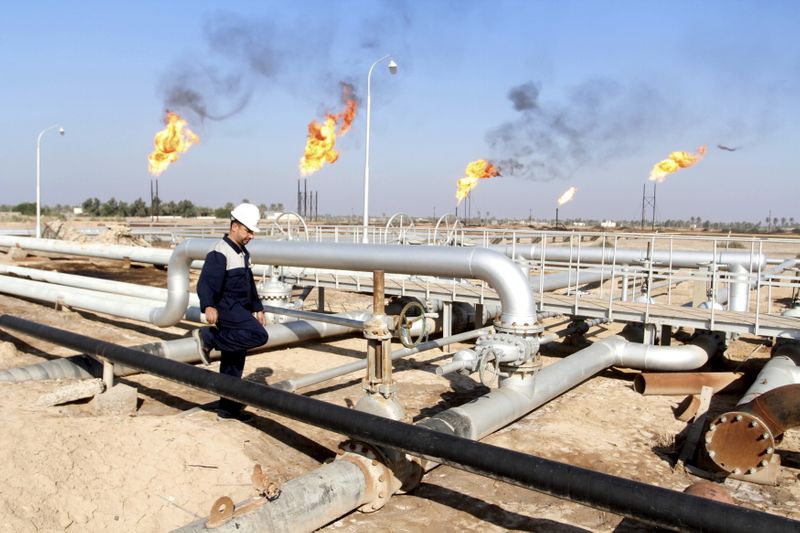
[(230, 303)]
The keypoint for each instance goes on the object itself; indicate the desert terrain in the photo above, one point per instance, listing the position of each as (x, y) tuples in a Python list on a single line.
[(63, 468)]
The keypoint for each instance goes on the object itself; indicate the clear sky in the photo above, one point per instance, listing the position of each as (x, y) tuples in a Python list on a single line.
[(584, 93)]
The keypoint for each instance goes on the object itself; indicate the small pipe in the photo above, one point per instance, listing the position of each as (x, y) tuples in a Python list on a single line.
[(648, 503), (679, 383), (300, 382), (630, 256), (314, 317)]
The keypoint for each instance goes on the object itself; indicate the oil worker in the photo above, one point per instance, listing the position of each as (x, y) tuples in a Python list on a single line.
[(230, 303)]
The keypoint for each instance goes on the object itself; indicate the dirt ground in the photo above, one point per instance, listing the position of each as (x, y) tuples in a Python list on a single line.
[(64, 469)]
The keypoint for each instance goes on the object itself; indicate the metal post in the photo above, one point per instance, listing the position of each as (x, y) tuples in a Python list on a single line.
[(392, 69), (108, 374), (447, 321), (321, 299)]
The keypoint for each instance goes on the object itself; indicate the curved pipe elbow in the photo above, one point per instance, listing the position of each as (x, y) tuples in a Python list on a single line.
[(511, 284), (180, 263), (668, 358)]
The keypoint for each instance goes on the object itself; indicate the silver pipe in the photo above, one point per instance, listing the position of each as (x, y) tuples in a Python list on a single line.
[(313, 316), (96, 284), (141, 254), (306, 503), (300, 382), (502, 274), (628, 256), (783, 368), (140, 309), (518, 395), (183, 350)]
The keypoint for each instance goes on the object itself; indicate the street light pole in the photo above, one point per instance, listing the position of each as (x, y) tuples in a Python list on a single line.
[(38, 170), (392, 69)]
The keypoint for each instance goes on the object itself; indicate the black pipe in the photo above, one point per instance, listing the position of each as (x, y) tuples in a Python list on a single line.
[(647, 503)]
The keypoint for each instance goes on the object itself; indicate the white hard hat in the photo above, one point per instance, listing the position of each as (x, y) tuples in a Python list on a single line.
[(247, 215)]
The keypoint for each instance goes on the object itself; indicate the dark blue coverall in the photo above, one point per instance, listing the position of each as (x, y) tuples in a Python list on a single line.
[(226, 283)]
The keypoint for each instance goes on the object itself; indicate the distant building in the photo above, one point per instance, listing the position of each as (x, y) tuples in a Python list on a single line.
[(608, 224), (77, 210)]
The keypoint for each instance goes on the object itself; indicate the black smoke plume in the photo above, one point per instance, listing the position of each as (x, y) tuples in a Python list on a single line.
[(598, 120)]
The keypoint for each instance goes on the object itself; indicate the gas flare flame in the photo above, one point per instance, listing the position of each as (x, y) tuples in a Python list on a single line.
[(567, 196), (675, 162), (321, 141), (173, 140), (475, 171)]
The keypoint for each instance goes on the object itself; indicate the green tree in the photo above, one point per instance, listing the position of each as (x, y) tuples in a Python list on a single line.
[(25, 208), (110, 208), (91, 206)]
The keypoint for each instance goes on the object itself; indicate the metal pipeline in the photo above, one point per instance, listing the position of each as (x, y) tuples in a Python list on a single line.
[(182, 350), (299, 382), (743, 440), (141, 254), (95, 284), (651, 504), (502, 274), (630, 256), (521, 393), (140, 309), (675, 383)]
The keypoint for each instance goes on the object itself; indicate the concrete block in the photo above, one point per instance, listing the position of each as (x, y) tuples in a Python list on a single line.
[(120, 399)]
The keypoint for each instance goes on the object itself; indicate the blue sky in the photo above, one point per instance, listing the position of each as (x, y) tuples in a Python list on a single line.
[(611, 88)]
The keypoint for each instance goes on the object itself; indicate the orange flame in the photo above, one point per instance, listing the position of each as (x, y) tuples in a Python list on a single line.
[(321, 141), (567, 196), (477, 170), (174, 139), (675, 162)]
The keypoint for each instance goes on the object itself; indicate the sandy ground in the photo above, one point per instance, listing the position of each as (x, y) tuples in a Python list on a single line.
[(64, 469)]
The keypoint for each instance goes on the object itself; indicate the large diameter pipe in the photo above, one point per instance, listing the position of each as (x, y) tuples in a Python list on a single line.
[(743, 440), (679, 383), (783, 368), (95, 284), (519, 395), (502, 274), (647, 503), (140, 309), (306, 503), (156, 256), (182, 350)]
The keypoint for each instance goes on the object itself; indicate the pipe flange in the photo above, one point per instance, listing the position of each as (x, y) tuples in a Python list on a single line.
[(516, 328), (508, 348), (528, 368), (718, 337), (378, 477), (375, 328), (739, 443)]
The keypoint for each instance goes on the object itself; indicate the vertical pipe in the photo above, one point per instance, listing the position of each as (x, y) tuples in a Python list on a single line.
[(378, 287)]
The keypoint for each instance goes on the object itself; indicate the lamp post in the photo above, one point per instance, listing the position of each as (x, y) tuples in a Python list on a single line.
[(392, 69), (38, 167)]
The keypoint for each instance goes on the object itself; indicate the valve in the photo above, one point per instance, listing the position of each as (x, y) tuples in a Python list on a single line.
[(406, 322)]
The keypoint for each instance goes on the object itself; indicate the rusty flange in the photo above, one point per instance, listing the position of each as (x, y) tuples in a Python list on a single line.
[(224, 509), (739, 442), (380, 480)]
